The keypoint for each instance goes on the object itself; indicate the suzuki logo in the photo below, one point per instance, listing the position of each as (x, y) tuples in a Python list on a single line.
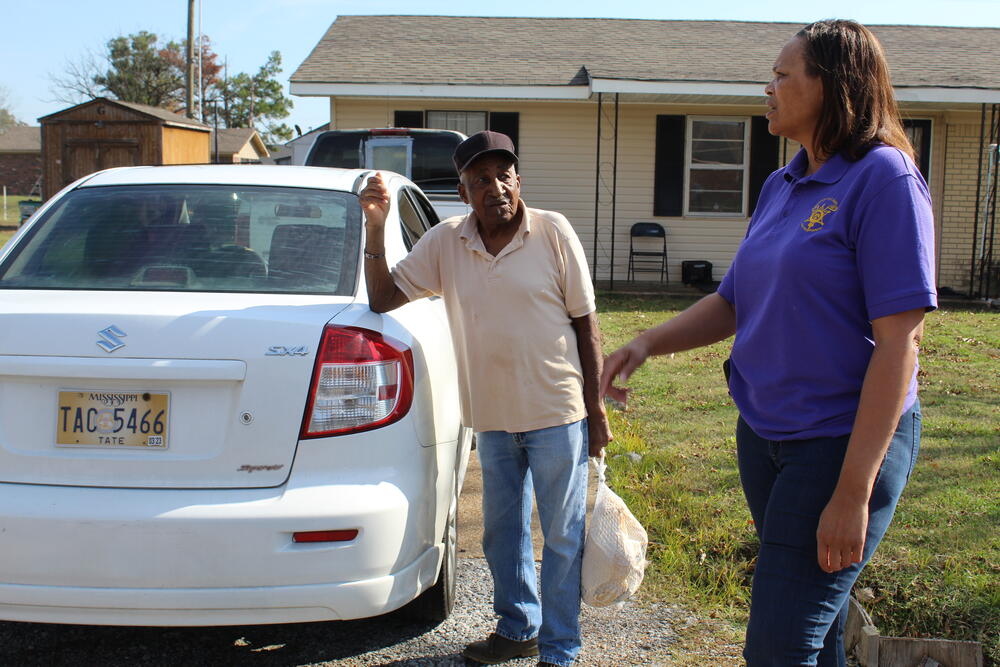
[(111, 338)]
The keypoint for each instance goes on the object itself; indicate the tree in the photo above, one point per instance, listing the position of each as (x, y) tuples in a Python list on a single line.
[(7, 118), (256, 101), (175, 53), (76, 83), (137, 72), (137, 68)]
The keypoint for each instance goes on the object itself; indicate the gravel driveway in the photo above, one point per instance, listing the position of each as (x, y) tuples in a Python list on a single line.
[(633, 636), (638, 634)]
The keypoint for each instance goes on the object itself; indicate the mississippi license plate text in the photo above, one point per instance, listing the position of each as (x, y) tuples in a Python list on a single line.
[(112, 419)]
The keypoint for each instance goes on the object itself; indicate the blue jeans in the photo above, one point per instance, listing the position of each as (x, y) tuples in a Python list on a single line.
[(798, 611), (554, 462)]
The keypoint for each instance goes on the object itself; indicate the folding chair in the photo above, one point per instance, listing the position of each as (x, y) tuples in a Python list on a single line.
[(650, 256)]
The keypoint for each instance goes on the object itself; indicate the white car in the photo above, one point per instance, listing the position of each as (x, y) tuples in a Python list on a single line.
[(201, 420)]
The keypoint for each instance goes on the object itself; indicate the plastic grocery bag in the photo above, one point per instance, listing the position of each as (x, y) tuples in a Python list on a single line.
[(614, 553)]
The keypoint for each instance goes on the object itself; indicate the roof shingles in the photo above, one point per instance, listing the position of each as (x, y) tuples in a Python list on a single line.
[(466, 50), (21, 139)]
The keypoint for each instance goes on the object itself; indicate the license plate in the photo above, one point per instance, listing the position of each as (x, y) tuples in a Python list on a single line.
[(112, 420)]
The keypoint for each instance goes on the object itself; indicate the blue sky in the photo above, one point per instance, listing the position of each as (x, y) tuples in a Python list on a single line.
[(40, 37)]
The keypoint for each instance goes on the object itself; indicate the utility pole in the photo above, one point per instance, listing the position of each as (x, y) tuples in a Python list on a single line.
[(201, 81), (250, 124), (190, 61)]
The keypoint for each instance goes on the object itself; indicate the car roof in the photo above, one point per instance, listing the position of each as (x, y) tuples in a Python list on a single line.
[(327, 178), (390, 131)]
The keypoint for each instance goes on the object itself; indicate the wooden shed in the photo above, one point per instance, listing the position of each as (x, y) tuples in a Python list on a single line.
[(104, 133)]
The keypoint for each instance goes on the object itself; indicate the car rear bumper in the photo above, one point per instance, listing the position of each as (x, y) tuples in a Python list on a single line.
[(211, 557), (218, 606)]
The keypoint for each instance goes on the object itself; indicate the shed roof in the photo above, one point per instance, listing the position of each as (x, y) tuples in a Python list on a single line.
[(165, 115), (21, 139), (162, 114), (465, 51)]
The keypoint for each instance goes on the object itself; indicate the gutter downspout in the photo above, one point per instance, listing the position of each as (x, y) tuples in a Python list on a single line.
[(597, 186), (979, 186), (614, 195)]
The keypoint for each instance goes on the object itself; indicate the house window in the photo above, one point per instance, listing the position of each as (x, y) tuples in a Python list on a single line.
[(466, 122), (673, 165), (717, 158), (919, 134)]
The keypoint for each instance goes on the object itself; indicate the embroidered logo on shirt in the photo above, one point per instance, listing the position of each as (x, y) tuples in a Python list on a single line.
[(822, 209)]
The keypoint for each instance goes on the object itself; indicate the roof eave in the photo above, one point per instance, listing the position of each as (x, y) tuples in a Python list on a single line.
[(954, 95), (751, 91), (186, 126)]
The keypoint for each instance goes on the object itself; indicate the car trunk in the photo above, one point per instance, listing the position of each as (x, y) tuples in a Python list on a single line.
[(204, 390)]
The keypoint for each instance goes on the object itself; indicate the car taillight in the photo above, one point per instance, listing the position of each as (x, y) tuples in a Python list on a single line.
[(362, 380)]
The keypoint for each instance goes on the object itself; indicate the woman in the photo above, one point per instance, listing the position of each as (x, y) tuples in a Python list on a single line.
[(826, 296)]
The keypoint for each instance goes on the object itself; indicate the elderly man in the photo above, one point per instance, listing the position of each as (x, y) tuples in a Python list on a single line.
[(521, 309)]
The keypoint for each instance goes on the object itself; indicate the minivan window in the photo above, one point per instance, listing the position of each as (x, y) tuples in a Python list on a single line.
[(192, 238)]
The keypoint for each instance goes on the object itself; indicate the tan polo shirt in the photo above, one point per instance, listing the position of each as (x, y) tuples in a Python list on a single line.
[(518, 362)]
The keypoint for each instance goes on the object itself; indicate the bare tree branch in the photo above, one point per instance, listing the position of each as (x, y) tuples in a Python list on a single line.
[(77, 83)]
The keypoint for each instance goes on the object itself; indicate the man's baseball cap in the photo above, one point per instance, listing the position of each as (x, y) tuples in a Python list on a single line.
[(480, 143)]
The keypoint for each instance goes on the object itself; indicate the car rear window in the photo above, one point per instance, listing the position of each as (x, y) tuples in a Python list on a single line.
[(199, 238), (432, 168), (338, 149)]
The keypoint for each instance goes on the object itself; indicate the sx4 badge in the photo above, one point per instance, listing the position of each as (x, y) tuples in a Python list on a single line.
[(282, 351)]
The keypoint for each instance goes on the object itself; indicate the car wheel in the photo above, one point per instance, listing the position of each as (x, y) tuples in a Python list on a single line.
[(436, 603)]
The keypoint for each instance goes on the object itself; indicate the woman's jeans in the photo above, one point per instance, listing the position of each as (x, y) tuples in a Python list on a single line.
[(798, 611), (554, 462)]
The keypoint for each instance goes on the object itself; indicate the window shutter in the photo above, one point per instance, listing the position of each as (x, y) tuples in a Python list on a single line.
[(408, 119), (507, 123), (668, 175), (763, 157), (919, 133)]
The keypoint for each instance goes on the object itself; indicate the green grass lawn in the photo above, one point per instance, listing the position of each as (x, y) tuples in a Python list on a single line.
[(10, 215), (936, 572)]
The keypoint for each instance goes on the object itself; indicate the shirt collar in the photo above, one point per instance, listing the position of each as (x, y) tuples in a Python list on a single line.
[(468, 230), (829, 172)]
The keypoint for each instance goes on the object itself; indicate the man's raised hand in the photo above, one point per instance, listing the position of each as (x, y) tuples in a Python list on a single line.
[(375, 201)]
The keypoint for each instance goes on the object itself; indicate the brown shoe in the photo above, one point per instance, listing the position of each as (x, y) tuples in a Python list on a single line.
[(496, 649)]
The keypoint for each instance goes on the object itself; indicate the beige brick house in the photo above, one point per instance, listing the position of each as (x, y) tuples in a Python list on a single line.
[(605, 113)]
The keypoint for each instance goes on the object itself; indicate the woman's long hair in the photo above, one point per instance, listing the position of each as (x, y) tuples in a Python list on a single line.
[(859, 107)]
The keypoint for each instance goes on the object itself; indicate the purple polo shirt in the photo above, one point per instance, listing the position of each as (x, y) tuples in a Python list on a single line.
[(824, 255)]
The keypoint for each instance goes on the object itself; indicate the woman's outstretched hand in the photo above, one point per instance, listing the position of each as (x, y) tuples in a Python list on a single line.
[(620, 365)]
